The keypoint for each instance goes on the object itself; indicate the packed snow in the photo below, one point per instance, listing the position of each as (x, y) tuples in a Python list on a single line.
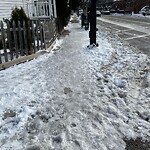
[(75, 98)]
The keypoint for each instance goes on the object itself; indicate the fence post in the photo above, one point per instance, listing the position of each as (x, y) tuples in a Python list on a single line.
[(15, 39), (44, 35), (29, 38), (41, 38), (9, 40), (55, 30), (25, 37), (20, 38), (33, 36), (37, 33), (3, 41)]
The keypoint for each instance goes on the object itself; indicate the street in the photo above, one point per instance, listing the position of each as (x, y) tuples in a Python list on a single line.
[(133, 29)]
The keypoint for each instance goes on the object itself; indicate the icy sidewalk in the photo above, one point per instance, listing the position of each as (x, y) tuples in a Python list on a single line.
[(76, 98)]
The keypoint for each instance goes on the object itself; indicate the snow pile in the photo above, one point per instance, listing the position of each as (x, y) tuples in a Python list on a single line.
[(76, 98)]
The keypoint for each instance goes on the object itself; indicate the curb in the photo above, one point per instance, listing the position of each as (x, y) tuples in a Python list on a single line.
[(26, 58)]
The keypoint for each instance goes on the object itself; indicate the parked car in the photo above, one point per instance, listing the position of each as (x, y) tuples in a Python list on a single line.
[(122, 11), (145, 10), (105, 12), (113, 11), (98, 13)]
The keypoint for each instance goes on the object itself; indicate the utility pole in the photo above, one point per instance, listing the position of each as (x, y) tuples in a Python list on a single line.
[(92, 18)]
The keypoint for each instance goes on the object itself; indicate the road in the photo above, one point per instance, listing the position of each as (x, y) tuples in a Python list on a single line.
[(135, 30)]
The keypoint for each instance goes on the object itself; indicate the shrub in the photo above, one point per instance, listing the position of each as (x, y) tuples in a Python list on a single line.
[(18, 14)]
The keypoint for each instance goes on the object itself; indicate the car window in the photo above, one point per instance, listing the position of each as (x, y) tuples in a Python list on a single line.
[(146, 7)]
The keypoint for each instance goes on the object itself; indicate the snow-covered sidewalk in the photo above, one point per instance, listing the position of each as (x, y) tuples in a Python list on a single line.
[(76, 98)]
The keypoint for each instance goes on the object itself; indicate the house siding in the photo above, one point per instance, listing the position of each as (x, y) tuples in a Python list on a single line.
[(6, 7)]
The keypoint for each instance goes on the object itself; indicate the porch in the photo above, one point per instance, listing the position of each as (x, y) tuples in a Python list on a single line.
[(40, 9)]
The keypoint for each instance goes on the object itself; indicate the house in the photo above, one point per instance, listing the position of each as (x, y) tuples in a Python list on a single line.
[(6, 7), (33, 8)]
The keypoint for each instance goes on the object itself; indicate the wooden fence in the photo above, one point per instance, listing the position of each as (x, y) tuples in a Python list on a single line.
[(20, 39)]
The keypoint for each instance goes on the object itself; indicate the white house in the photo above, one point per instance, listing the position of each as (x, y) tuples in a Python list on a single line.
[(6, 7), (33, 8)]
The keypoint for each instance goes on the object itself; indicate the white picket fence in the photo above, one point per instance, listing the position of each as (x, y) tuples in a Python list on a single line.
[(19, 39)]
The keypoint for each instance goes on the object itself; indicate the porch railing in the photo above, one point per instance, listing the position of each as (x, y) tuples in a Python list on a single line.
[(38, 9)]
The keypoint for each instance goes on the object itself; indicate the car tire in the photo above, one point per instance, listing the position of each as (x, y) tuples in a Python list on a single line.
[(144, 14)]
